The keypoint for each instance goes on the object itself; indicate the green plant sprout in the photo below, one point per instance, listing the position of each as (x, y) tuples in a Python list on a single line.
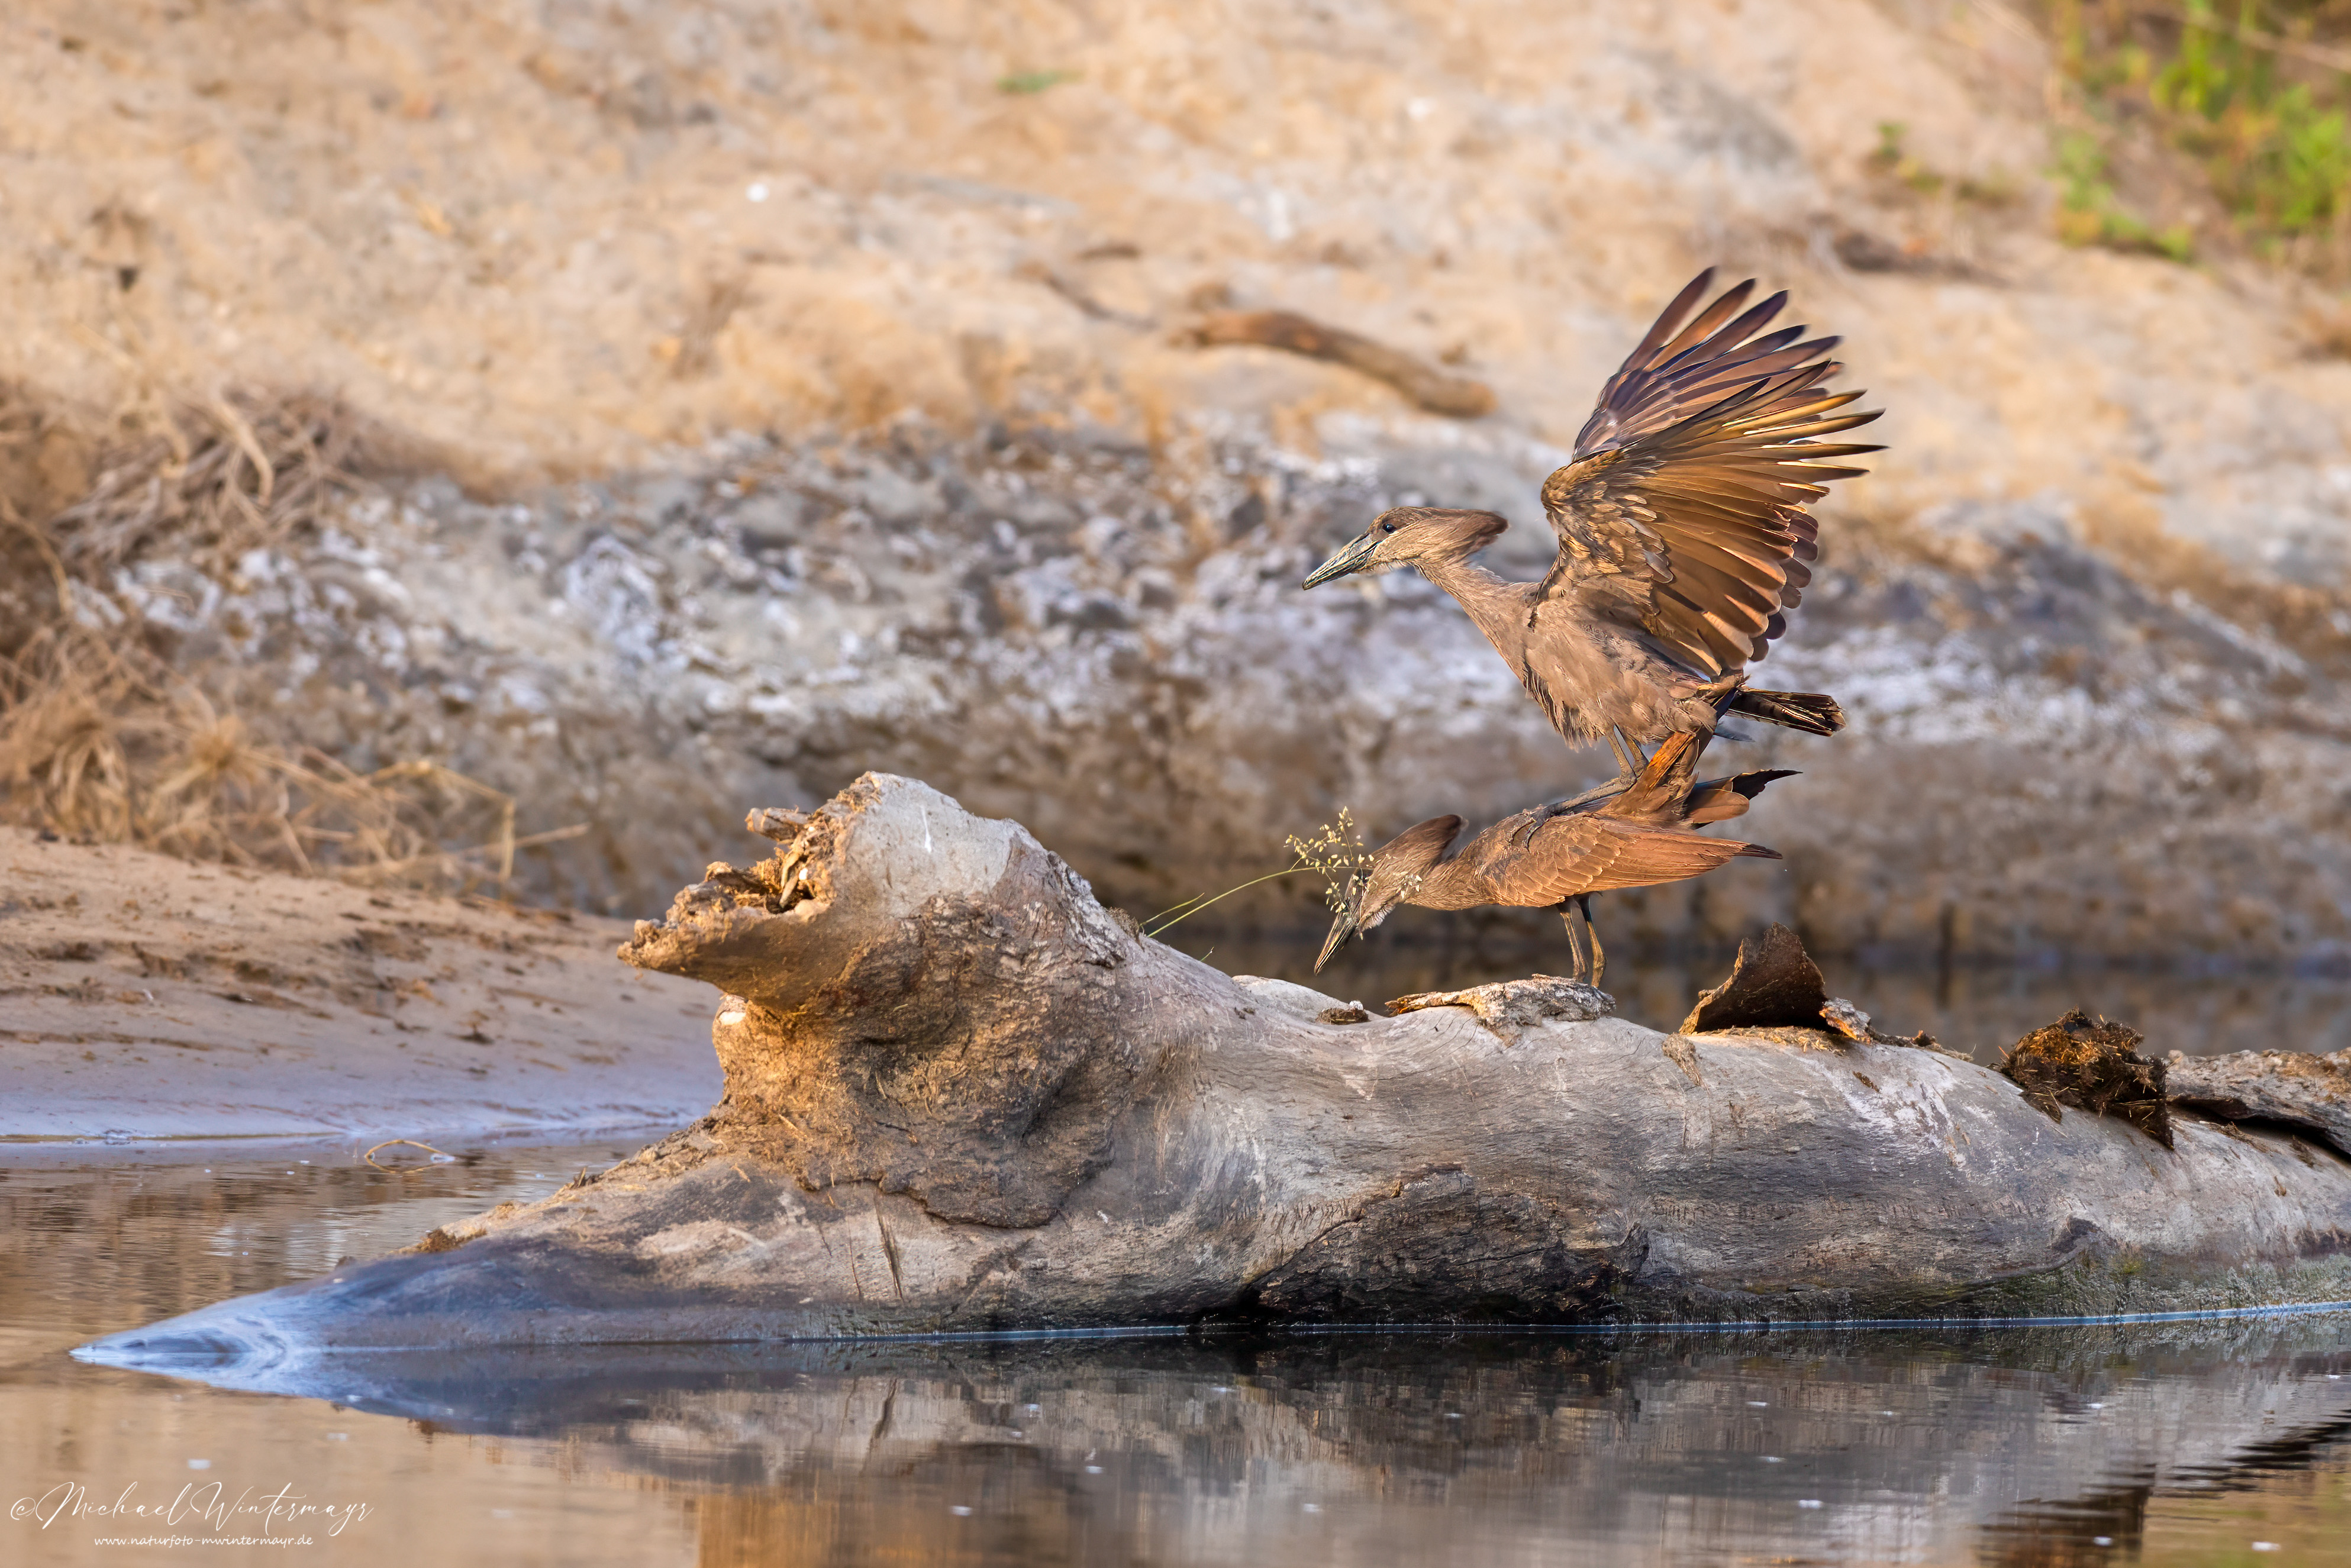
[(1025, 82)]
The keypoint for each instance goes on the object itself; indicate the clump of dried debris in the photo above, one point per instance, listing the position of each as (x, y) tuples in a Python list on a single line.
[(2093, 1064)]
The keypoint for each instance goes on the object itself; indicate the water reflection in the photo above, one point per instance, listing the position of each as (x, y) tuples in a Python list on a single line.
[(1870, 1448), (1983, 1010), (2015, 1445)]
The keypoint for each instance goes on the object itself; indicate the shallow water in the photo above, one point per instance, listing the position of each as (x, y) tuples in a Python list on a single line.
[(2172, 1443), (1982, 1010)]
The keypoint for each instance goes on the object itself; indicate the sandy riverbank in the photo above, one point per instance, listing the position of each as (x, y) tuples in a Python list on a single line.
[(143, 997)]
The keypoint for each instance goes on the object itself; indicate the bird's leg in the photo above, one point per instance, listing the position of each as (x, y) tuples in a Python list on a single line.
[(1599, 959), (1616, 744), (1574, 943), (1640, 758)]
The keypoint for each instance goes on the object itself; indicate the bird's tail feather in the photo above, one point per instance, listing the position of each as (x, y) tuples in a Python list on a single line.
[(1719, 799), (1814, 713)]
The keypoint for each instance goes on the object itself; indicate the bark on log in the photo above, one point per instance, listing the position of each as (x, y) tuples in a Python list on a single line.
[(962, 1096), (2291, 1088)]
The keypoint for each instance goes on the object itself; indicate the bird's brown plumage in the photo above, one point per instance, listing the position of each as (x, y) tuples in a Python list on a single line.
[(1683, 535), (1635, 836)]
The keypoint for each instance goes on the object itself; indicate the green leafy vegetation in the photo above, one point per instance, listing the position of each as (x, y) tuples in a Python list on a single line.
[(2251, 92), (2090, 213), (1896, 162), (1893, 160)]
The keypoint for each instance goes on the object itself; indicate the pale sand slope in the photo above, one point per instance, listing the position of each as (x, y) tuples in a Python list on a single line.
[(146, 997), (550, 238)]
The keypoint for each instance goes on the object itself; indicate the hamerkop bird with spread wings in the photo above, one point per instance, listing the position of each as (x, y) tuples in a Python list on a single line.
[(1558, 856), (1682, 530)]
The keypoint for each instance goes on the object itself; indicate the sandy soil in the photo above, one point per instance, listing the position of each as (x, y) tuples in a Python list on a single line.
[(142, 996), (556, 238)]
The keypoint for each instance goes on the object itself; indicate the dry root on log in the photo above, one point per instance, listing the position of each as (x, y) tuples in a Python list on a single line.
[(962, 1096)]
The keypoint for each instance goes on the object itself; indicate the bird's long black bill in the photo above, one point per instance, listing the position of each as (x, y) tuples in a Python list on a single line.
[(1341, 929), (1348, 557)]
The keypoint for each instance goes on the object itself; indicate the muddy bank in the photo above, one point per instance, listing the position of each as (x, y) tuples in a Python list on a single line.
[(143, 997), (962, 1096)]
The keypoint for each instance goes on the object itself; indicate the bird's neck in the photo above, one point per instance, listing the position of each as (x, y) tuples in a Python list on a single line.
[(1497, 605), (1450, 883)]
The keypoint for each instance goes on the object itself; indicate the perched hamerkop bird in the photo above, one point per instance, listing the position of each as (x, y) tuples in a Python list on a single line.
[(1558, 856), (1682, 531)]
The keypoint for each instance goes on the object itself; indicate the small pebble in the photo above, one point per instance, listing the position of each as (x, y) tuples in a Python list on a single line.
[(959, 1511), (1808, 1502), (200, 1463)]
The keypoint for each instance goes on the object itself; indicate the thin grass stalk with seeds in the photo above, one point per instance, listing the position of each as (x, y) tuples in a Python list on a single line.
[(1332, 850)]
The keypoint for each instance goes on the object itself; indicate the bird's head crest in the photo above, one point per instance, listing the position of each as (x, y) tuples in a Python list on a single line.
[(1402, 535)]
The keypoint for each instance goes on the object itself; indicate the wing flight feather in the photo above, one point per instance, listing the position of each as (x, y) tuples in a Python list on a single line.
[(1681, 509)]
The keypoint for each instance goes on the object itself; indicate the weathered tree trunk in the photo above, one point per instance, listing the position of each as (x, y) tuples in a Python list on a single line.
[(962, 1096)]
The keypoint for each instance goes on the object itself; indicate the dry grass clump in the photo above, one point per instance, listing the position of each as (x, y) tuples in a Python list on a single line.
[(102, 739), (215, 479)]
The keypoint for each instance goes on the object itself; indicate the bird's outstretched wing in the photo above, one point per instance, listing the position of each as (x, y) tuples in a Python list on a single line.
[(1569, 855), (1681, 512)]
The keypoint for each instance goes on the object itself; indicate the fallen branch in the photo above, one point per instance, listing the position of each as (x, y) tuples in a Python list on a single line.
[(1456, 396), (962, 1096)]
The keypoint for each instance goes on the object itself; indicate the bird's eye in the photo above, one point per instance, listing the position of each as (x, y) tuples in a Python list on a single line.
[(1387, 527)]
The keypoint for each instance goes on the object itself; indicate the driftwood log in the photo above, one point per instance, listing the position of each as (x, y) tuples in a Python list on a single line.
[(962, 1096)]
